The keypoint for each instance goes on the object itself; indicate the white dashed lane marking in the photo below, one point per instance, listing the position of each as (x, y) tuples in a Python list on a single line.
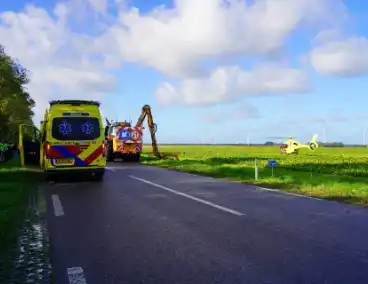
[(58, 208), (76, 275)]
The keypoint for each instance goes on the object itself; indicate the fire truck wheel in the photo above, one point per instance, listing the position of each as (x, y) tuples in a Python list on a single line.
[(137, 157), (99, 175)]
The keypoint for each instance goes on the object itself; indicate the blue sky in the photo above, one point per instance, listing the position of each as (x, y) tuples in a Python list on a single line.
[(210, 73)]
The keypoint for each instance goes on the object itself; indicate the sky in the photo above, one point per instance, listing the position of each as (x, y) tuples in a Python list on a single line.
[(213, 71)]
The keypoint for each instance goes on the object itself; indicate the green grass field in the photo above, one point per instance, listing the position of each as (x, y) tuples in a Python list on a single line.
[(339, 174)]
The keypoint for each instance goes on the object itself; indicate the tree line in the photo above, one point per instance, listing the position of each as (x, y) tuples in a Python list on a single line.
[(16, 104), (324, 144)]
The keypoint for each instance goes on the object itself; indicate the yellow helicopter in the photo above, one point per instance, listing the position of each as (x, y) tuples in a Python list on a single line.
[(291, 146)]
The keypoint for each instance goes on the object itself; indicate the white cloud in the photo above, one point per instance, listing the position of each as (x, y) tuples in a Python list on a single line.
[(70, 59), (175, 41), (99, 6), (348, 57), (325, 36), (229, 84), (59, 59), (85, 10)]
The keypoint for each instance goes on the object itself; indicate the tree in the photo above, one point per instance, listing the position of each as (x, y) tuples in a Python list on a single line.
[(15, 102), (333, 144)]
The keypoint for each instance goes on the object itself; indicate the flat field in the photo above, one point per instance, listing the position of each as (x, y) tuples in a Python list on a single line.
[(339, 174)]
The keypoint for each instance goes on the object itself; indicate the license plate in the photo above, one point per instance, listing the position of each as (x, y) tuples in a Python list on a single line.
[(64, 161)]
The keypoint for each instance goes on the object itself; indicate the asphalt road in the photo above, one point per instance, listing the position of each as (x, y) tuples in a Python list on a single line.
[(149, 225)]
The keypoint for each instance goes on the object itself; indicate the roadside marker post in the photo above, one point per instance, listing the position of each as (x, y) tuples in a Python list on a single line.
[(272, 164), (256, 170)]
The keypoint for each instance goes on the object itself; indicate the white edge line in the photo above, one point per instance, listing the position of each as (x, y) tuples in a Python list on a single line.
[(257, 187), (76, 275), (288, 193), (111, 169), (228, 210), (199, 176), (194, 175), (58, 208)]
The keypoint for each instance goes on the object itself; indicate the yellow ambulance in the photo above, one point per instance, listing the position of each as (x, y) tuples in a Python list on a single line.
[(72, 138)]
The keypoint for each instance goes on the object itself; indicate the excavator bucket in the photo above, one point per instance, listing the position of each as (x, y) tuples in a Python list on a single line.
[(165, 156), (173, 156)]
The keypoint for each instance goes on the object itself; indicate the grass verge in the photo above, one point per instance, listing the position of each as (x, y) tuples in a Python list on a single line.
[(16, 186), (343, 188)]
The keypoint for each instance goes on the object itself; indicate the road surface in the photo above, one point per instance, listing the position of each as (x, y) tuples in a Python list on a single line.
[(149, 225)]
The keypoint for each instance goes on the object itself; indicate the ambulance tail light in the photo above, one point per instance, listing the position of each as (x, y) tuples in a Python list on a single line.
[(104, 149), (47, 150)]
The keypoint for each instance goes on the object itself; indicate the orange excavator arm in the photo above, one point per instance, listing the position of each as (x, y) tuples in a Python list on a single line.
[(146, 113)]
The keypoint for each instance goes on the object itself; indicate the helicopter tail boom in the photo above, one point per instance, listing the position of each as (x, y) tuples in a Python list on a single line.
[(313, 145)]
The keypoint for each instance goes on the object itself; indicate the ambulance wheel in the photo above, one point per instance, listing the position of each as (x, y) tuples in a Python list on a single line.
[(109, 153), (50, 177), (99, 175)]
